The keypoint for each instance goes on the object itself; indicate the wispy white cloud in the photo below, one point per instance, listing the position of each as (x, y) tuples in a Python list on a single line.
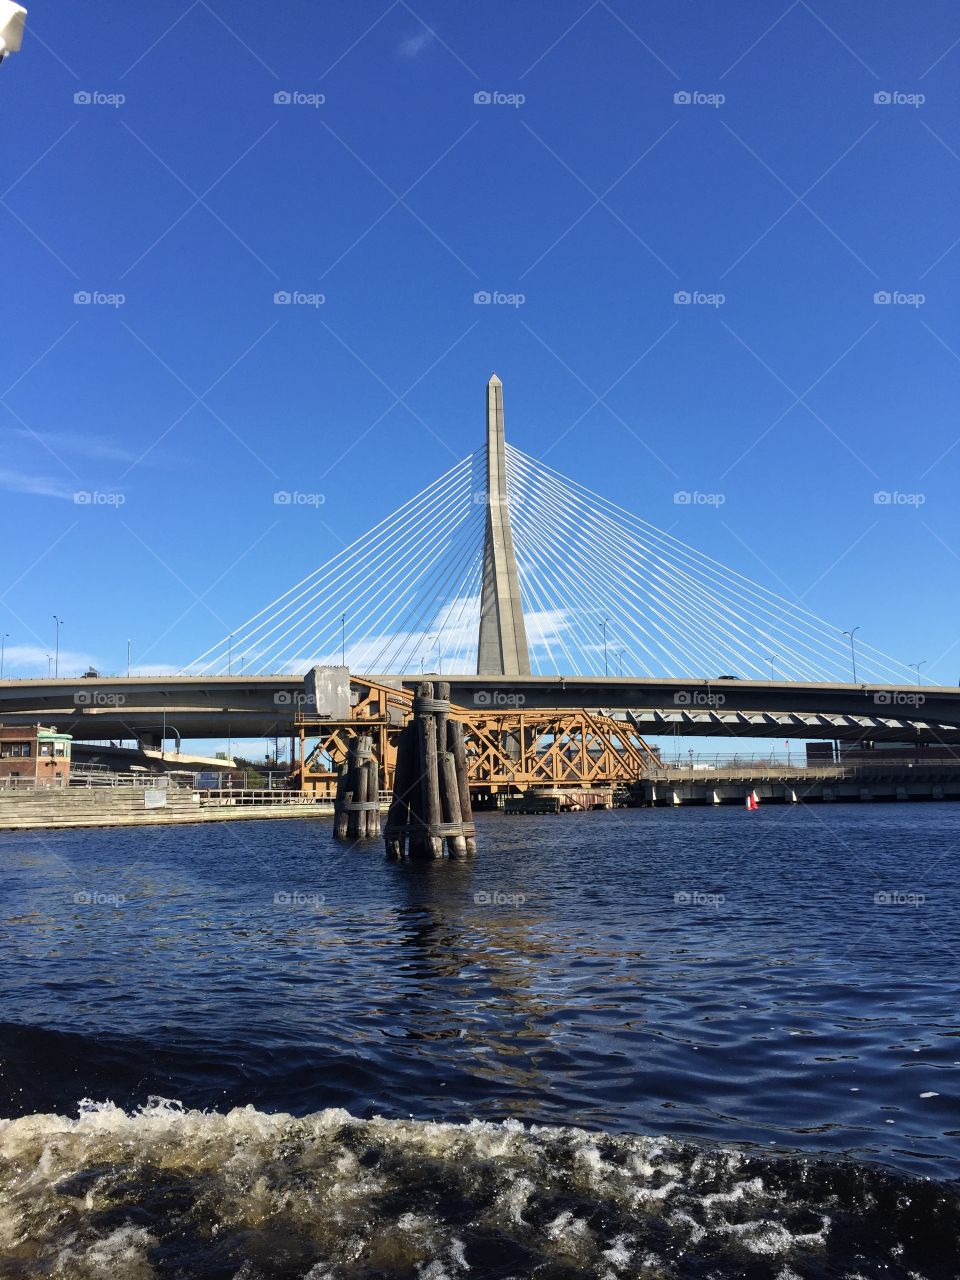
[(74, 443), (25, 661), (414, 45), (36, 485), (447, 642)]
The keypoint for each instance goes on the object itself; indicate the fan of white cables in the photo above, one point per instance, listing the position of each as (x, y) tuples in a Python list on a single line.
[(604, 592), (607, 593), (404, 596)]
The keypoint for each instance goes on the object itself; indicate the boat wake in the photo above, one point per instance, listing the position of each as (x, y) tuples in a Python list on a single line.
[(246, 1195)]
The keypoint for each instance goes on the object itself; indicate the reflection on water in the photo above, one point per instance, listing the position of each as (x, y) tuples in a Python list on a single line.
[(710, 975)]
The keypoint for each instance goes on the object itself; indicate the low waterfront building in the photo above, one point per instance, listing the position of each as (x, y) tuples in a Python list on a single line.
[(34, 756)]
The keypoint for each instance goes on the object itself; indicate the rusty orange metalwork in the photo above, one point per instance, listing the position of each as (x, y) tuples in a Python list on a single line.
[(507, 750)]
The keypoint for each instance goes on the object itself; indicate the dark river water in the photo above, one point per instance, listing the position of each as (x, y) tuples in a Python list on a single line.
[(704, 1043)]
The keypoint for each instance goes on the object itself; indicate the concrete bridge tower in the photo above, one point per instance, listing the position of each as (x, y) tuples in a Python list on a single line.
[(503, 638)]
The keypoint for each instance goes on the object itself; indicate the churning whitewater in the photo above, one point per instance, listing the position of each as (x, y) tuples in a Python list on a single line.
[(245, 1195)]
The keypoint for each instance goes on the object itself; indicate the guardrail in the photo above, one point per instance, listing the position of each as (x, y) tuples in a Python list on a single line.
[(250, 796)]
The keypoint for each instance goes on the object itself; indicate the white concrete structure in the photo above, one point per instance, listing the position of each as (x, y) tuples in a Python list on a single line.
[(503, 636)]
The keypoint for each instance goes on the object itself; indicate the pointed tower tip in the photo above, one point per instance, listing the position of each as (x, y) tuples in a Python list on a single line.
[(494, 381)]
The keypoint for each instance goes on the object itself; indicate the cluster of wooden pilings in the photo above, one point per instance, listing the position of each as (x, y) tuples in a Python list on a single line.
[(356, 811), (431, 793)]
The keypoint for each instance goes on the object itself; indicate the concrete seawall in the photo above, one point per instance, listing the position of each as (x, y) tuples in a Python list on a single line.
[(138, 806), (784, 784)]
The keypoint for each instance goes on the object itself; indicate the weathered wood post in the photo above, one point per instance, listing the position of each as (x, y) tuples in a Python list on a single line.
[(405, 781), (340, 815), (373, 799), (456, 745), (430, 844), (449, 786), (357, 804), (430, 787)]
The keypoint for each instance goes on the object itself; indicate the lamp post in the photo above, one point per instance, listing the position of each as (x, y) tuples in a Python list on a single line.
[(853, 656), (12, 18), (3, 648), (603, 627), (439, 655), (343, 640), (49, 665), (230, 654), (56, 660), (619, 662), (917, 665)]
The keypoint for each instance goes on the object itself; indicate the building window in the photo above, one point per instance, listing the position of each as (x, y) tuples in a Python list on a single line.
[(45, 748), (14, 749)]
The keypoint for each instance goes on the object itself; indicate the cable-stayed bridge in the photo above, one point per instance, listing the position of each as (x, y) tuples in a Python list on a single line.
[(504, 567), (569, 629)]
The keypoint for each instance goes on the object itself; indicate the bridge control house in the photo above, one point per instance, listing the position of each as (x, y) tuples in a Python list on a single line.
[(35, 756)]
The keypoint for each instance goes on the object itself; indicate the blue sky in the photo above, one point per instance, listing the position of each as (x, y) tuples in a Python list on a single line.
[(176, 181)]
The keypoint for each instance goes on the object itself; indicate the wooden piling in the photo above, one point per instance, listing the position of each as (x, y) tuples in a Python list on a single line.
[(430, 844), (400, 817), (373, 799), (450, 795), (428, 806), (357, 804), (455, 744)]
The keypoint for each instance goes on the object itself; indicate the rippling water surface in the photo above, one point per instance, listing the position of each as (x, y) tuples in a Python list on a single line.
[(632, 1043)]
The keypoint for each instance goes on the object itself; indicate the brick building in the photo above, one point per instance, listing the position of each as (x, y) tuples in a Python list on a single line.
[(35, 756)]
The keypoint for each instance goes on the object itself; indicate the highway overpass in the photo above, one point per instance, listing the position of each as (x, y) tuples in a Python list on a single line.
[(146, 708)]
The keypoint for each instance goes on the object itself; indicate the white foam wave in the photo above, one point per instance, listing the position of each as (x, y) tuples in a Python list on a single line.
[(133, 1196)]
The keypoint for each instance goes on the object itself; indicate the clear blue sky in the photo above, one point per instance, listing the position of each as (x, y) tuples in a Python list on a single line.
[(199, 197)]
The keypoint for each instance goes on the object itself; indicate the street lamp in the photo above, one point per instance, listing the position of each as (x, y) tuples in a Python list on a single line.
[(49, 665), (853, 656), (917, 665), (3, 646), (603, 626), (230, 654), (56, 661), (439, 655), (12, 18), (343, 640), (620, 662)]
